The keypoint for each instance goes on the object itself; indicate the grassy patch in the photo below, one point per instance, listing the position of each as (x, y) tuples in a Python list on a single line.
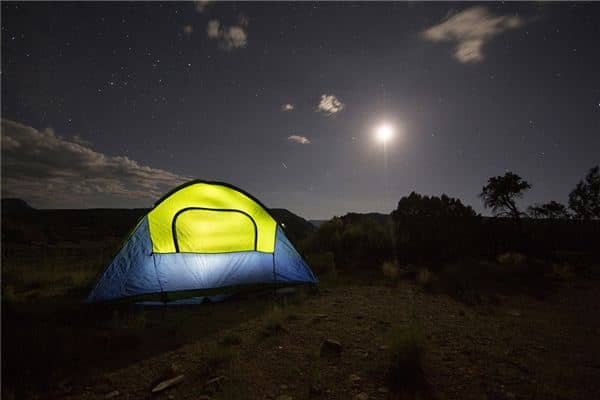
[(215, 355), (474, 282), (274, 319), (280, 314), (38, 279), (231, 339)]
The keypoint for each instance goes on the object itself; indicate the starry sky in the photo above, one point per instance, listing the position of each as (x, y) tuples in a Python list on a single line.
[(113, 104)]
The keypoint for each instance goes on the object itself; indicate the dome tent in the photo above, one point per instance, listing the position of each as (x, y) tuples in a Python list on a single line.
[(202, 239)]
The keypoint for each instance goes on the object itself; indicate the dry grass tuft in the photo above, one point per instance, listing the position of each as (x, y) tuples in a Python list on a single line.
[(424, 278), (390, 270), (406, 347), (563, 271)]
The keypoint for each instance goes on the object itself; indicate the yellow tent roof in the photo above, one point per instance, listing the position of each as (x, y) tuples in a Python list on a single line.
[(210, 217)]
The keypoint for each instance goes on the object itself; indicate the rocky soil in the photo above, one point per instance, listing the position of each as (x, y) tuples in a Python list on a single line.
[(517, 348)]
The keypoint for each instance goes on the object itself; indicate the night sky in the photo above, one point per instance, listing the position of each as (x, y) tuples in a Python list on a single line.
[(113, 104)]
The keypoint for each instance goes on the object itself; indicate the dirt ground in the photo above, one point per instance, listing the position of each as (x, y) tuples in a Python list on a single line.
[(517, 348)]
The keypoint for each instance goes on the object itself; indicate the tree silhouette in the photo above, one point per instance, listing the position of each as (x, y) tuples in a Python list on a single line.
[(551, 210), (501, 192), (584, 200), (424, 206)]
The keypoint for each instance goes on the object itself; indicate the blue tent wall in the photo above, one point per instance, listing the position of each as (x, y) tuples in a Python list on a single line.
[(132, 270), (137, 271), (192, 271), (289, 265)]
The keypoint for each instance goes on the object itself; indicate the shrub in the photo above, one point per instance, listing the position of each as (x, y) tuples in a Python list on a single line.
[(563, 271), (424, 278), (322, 262), (464, 281), (390, 270), (511, 258), (406, 346), (8, 294), (231, 339)]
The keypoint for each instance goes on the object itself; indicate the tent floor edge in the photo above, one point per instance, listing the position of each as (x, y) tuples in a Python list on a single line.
[(186, 294)]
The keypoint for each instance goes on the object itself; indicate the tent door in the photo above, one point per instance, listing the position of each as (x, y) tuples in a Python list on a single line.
[(207, 230)]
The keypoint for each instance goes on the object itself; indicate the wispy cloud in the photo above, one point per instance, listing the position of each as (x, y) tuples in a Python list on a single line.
[(470, 30), (201, 5), (330, 104), (287, 107), (228, 37), (79, 140), (51, 171), (299, 139)]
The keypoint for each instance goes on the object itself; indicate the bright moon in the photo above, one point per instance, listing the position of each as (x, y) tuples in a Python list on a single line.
[(384, 133)]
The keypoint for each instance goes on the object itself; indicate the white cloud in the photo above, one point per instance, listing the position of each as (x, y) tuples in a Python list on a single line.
[(299, 139), (470, 30), (188, 30), (52, 171), (229, 37), (200, 5), (212, 29), (243, 20), (287, 107), (330, 104)]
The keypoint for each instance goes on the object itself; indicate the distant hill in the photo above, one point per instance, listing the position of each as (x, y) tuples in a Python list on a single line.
[(317, 222), (352, 216), (22, 223), (296, 228), (372, 216), (16, 206)]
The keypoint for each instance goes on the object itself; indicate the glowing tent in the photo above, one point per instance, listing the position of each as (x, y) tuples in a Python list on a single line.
[(202, 239)]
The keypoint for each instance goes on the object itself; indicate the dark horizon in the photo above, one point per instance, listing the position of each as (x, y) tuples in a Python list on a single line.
[(111, 105)]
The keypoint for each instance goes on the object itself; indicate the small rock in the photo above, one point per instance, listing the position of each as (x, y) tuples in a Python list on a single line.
[(514, 313), (168, 383), (331, 347), (362, 353), (314, 391), (320, 316), (362, 396), (112, 394), (283, 387), (383, 390), (383, 347), (215, 383)]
